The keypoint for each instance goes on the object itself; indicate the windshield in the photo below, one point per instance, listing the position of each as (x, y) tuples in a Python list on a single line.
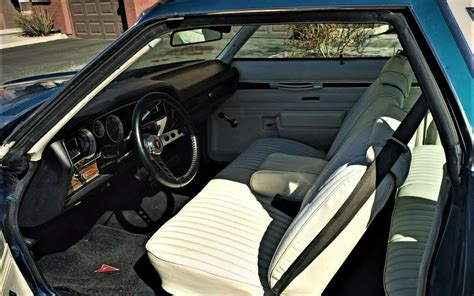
[(164, 53), (16, 98)]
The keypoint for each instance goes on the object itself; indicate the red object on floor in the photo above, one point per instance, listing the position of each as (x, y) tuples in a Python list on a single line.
[(107, 268)]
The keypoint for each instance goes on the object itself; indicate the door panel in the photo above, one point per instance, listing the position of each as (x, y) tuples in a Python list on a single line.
[(303, 100), (300, 126), (11, 279)]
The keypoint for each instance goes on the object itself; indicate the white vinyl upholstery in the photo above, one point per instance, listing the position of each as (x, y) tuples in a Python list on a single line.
[(229, 241), (322, 206), (412, 220), (389, 90), (220, 243), (242, 168), (287, 175), (356, 146), (312, 218), (397, 73)]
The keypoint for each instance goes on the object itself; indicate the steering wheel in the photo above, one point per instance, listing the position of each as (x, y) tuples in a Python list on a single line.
[(150, 146)]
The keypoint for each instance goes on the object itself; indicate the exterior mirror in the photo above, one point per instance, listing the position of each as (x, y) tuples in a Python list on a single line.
[(181, 38)]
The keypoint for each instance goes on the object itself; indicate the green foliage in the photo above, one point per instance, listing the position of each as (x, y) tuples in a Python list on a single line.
[(38, 23), (327, 40)]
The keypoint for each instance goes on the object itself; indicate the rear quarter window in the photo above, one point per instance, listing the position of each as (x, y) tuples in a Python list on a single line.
[(321, 41)]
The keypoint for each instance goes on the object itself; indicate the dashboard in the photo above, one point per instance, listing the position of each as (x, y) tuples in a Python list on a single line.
[(97, 148), (97, 145)]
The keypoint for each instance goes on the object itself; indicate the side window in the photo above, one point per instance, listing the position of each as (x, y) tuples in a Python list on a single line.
[(321, 41)]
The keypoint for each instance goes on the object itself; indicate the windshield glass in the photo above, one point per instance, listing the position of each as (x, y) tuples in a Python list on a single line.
[(163, 53), (17, 97)]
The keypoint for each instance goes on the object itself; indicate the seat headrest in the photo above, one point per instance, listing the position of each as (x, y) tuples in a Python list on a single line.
[(397, 72), (381, 133), (432, 135)]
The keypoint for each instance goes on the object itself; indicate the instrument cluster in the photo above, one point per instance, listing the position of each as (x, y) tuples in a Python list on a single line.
[(96, 146), (89, 142)]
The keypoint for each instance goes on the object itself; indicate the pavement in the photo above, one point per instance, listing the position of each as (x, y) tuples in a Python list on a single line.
[(16, 39), (48, 57)]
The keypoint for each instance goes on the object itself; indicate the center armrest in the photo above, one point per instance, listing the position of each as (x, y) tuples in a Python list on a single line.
[(290, 176)]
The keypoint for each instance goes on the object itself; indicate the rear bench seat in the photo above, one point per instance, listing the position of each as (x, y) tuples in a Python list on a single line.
[(413, 214)]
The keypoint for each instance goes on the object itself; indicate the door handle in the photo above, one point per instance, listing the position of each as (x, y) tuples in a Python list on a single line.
[(296, 85), (232, 122)]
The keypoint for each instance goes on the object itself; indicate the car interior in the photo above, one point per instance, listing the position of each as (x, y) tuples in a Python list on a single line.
[(192, 175)]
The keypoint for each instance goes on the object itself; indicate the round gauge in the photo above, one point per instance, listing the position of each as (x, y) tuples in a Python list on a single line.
[(98, 129), (86, 142), (114, 128)]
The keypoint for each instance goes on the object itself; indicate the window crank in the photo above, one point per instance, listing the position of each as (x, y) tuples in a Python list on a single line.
[(233, 122)]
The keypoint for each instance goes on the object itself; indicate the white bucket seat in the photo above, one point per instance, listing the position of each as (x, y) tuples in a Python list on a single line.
[(230, 240), (391, 88)]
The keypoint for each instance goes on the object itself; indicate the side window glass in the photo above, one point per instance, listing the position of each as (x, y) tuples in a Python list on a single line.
[(321, 41)]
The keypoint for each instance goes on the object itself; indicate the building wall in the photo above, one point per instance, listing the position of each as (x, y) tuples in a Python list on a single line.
[(62, 19), (133, 8), (7, 14)]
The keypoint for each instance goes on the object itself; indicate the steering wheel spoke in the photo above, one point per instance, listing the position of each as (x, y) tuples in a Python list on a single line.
[(161, 124), (163, 167), (171, 136)]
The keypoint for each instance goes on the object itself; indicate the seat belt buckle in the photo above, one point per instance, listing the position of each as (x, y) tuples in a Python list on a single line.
[(287, 206), (404, 146)]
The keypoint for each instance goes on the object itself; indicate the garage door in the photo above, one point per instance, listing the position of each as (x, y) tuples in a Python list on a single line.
[(96, 18)]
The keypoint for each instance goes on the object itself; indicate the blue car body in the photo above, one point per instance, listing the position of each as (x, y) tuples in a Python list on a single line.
[(434, 19)]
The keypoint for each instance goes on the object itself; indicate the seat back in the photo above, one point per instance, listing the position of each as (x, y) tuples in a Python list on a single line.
[(386, 97), (415, 209), (390, 88), (348, 162), (328, 199)]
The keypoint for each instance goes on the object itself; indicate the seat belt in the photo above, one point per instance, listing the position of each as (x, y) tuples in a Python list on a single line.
[(378, 169)]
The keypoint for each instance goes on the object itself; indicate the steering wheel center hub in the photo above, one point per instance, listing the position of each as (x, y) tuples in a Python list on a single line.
[(154, 145)]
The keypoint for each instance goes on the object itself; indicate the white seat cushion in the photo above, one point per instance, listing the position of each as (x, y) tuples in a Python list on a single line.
[(220, 243), (287, 175), (242, 168)]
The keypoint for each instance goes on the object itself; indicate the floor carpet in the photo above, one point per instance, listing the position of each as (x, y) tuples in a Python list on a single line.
[(148, 216), (73, 270)]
